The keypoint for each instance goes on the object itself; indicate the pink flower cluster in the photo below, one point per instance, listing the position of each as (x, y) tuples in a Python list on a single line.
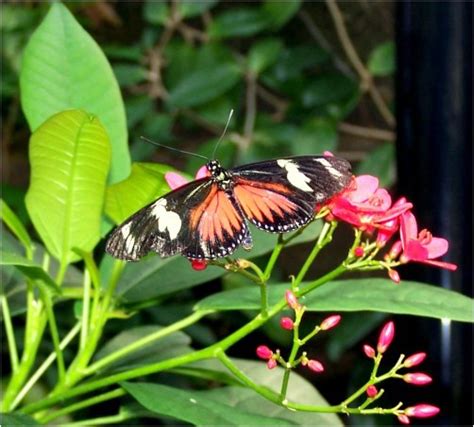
[(369, 208)]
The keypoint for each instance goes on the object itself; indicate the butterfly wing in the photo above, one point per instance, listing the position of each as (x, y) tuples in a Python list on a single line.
[(198, 220), (282, 195)]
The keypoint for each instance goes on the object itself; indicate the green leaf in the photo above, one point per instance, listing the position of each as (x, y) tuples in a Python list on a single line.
[(170, 346), (129, 74), (156, 12), (328, 88), (412, 298), (316, 136), (17, 419), (69, 155), (201, 85), (63, 68), (234, 405), (381, 163), (280, 12), (238, 22), (30, 269), (382, 60), (145, 184), (154, 276), (263, 54), (191, 8), (15, 225)]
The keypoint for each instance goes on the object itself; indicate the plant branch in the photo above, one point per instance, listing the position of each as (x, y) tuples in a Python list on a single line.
[(365, 132), (7, 320), (365, 76), (85, 310)]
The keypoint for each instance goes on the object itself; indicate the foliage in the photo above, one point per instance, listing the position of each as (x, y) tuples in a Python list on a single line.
[(110, 323)]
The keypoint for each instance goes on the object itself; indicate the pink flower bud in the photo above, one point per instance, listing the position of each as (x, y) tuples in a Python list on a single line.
[(422, 410), (417, 378), (393, 274), (359, 251), (369, 351), (395, 250), (386, 337), (315, 366), (286, 323), (264, 352), (414, 359), (371, 391), (330, 322), (291, 300), (199, 264), (272, 363), (403, 419)]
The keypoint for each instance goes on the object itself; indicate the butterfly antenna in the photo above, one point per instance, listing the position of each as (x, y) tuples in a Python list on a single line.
[(174, 149), (223, 133)]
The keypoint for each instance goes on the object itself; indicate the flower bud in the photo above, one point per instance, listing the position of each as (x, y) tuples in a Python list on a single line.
[(330, 322), (395, 250), (393, 274), (199, 264), (272, 363), (417, 378), (291, 300), (386, 337), (414, 360), (371, 391), (403, 419), (422, 410), (359, 251), (286, 323), (369, 351), (264, 352), (315, 366)]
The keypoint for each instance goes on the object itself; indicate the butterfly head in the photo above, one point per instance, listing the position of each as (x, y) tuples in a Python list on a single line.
[(216, 170)]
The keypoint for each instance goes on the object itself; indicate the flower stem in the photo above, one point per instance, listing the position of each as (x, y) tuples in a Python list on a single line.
[(7, 320), (85, 310)]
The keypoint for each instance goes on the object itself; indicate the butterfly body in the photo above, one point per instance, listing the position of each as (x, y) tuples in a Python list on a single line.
[(207, 218)]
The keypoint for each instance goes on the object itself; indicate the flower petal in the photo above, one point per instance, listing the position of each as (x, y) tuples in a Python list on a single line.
[(437, 247), (175, 180), (203, 172), (366, 186), (408, 228)]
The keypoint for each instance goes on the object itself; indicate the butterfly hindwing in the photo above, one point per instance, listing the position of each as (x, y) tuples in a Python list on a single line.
[(281, 195)]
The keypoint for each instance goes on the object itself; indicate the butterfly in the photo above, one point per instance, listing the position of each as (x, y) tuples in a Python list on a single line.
[(208, 218)]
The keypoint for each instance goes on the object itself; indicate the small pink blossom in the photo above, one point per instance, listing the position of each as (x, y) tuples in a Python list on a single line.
[(369, 351), (371, 391), (403, 419), (263, 352), (417, 378), (199, 264), (421, 247), (330, 322), (394, 276), (272, 363), (359, 251), (175, 180), (422, 410), (287, 323), (414, 360), (386, 337), (292, 300), (315, 366), (394, 251)]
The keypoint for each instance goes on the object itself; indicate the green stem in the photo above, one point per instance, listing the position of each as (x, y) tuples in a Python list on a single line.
[(7, 320), (85, 310), (191, 319), (83, 404), (61, 273), (274, 257), (45, 365), (110, 419)]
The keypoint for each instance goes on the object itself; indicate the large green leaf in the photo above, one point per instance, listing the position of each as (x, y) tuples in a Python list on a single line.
[(63, 68), (145, 184), (70, 156), (413, 298), (238, 22), (15, 225), (234, 405), (156, 276)]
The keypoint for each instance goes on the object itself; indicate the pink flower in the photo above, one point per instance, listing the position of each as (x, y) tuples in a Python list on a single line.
[(291, 300), (330, 322), (264, 352), (414, 359), (393, 274), (369, 351), (199, 264), (386, 337), (286, 323), (315, 366), (403, 419), (272, 363), (417, 378), (367, 206), (422, 410), (422, 246), (371, 391), (175, 180)]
